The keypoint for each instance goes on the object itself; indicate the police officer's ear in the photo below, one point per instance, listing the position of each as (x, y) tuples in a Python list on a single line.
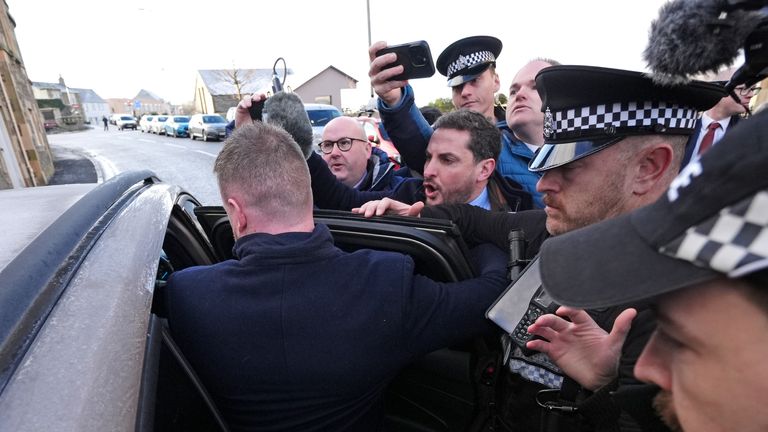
[(652, 166)]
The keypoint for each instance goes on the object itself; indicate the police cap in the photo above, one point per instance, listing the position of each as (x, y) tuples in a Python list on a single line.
[(465, 59), (588, 108)]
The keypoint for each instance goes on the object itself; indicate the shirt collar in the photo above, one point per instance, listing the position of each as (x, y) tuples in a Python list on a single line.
[(482, 200)]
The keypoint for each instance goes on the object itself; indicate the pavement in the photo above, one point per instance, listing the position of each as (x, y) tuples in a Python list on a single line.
[(71, 166)]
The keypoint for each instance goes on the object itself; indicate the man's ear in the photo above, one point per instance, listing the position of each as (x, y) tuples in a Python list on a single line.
[(237, 217), (485, 170), (652, 167), (496, 83)]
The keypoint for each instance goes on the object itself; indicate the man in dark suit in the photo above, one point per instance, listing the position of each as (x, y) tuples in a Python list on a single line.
[(293, 333), (716, 121)]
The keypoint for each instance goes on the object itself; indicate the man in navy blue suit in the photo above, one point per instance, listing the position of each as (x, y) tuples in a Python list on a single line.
[(294, 333)]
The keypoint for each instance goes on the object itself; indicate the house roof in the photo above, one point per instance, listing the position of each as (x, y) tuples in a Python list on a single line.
[(221, 81), (46, 86), (89, 96), (86, 95), (331, 67), (147, 95)]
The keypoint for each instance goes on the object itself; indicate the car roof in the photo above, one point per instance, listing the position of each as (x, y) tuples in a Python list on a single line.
[(26, 213), (316, 106)]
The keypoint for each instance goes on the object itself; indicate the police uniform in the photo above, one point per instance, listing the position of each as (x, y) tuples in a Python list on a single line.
[(711, 223), (461, 62), (586, 110)]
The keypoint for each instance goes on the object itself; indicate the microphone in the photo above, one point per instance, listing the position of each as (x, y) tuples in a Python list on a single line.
[(755, 66), (287, 111), (692, 37)]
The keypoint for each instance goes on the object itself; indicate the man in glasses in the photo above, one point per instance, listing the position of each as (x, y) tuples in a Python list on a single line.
[(716, 121), (354, 161)]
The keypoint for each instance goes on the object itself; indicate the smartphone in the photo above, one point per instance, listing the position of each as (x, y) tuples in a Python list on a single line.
[(415, 57), (257, 109), (521, 304)]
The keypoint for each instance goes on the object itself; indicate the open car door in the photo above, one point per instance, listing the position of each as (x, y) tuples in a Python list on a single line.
[(442, 390)]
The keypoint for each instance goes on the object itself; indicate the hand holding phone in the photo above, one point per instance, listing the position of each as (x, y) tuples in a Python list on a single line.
[(415, 57), (256, 109)]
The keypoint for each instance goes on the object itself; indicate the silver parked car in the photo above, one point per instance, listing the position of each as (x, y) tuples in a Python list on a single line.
[(319, 116), (144, 122), (207, 126), (157, 125)]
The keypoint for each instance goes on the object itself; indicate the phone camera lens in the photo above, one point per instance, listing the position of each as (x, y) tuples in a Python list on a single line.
[(418, 56)]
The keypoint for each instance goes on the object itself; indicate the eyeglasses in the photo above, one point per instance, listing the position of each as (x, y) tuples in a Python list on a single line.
[(746, 91), (344, 144)]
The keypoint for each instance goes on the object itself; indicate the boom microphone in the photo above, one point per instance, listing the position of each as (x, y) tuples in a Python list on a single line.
[(287, 111), (692, 37)]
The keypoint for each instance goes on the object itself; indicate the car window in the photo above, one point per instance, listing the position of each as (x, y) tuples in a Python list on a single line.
[(213, 119), (370, 129), (181, 119), (161, 119), (322, 117)]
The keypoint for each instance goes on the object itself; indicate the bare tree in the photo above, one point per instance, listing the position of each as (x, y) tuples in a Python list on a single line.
[(239, 78)]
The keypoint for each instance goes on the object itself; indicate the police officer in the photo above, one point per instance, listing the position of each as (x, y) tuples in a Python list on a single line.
[(700, 255), (470, 66)]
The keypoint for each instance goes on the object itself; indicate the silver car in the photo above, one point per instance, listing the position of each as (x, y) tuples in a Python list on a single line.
[(144, 122), (207, 126), (157, 125), (319, 116), (84, 345)]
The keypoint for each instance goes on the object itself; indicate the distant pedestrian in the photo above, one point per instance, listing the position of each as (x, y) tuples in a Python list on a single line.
[(106, 122)]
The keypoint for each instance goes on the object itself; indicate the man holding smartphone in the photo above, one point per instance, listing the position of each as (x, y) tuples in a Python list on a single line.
[(470, 66)]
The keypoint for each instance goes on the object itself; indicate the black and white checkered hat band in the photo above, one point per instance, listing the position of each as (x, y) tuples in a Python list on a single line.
[(464, 62), (624, 115), (735, 241)]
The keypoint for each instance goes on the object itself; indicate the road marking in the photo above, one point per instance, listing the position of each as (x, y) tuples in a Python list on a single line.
[(175, 145), (145, 140), (206, 153)]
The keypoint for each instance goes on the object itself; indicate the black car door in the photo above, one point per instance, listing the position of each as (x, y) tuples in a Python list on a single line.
[(442, 391)]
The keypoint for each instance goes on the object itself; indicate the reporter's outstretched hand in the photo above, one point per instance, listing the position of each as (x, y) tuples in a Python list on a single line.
[(583, 350), (242, 115), (388, 91), (388, 206)]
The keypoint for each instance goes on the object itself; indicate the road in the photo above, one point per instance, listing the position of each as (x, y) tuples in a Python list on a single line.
[(179, 161)]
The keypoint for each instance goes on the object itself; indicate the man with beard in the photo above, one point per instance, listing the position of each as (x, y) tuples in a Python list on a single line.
[(700, 255), (470, 66), (614, 142), (459, 168)]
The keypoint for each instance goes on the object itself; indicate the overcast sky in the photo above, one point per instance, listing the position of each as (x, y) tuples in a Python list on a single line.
[(120, 47)]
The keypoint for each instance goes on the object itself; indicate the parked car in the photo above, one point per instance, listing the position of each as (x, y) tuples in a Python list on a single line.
[(207, 126), (84, 343), (378, 137), (49, 124), (157, 124), (126, 122), (319, 116), (177, 126), (113, 118), (145, 122)]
